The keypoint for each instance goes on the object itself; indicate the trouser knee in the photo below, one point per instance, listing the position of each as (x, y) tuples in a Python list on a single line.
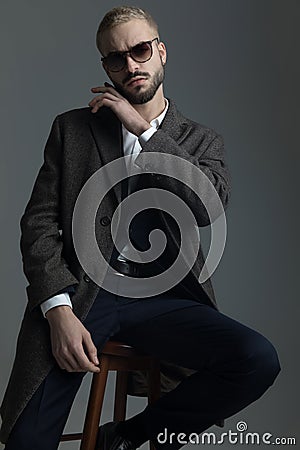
[(269, 362), (261, 363)]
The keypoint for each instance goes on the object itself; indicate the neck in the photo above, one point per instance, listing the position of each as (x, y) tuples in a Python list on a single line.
[(153, 108)]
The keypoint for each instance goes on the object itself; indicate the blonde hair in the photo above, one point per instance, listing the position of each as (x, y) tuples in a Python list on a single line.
[(123, 14)]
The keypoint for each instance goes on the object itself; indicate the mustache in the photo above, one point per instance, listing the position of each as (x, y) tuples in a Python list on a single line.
[(133, 75)]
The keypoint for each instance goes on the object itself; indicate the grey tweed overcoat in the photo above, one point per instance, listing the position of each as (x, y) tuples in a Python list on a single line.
[(80, 143)]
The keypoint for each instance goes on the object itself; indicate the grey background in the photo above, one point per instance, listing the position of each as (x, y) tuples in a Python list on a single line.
[(232, 65)]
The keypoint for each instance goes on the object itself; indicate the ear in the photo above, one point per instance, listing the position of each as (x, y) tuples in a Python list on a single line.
[(163, 52)]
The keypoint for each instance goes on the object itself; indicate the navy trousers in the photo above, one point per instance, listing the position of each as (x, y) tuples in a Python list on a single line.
[(234, 366)]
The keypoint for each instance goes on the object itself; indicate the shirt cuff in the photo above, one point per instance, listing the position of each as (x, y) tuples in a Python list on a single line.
[(57, 300), (144, 137)]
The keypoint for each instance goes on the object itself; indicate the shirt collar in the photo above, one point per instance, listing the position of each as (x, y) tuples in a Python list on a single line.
[(158, 120)]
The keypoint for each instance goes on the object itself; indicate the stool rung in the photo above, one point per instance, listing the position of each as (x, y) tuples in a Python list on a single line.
[(71, 437)]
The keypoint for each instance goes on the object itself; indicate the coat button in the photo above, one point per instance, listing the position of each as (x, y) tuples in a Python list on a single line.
[(86, 278), (105, 221)]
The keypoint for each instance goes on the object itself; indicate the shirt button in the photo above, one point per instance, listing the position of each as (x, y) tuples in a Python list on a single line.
[(105, 221), (148, 167), (86, 278)]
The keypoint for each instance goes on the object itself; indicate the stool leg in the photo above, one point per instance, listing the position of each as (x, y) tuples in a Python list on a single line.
[(154, 382), (120, 395), (94, 408)]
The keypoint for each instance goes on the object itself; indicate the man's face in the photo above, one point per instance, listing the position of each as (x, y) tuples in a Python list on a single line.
[(137, 82)]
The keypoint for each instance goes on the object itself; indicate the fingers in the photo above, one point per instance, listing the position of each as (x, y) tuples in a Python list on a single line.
[(68, 362), (108, 93), (80, 363), (105, 99), (105, 88), (95, 103), (90, 348), (85, 364), (74, 358)]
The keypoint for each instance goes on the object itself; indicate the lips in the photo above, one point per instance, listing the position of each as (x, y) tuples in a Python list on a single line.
[(136, 81)]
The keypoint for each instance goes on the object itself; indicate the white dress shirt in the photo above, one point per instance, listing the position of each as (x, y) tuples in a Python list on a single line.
[(132, 145)]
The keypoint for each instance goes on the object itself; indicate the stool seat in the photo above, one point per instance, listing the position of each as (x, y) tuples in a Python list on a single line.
[(117, 348)]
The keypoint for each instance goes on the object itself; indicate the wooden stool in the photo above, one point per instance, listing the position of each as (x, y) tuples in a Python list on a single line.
[(122, 358)]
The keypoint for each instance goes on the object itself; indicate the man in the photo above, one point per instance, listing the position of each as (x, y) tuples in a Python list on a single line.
[(222, 366)]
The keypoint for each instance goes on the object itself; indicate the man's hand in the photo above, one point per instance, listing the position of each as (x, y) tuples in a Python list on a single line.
[(125, 112), (72, 345)]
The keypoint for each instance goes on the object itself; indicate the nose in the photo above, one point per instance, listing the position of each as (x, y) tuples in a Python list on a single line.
[(131, 64)]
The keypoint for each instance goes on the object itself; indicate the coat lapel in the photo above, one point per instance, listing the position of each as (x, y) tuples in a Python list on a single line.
[(107, 132), (174, 124)]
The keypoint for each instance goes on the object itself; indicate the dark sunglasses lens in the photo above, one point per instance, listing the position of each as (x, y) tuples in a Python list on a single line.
[(141, 52), (115, 62)]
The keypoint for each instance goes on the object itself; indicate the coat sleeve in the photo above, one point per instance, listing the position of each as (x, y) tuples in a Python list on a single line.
[(41, 243), (207, 154)]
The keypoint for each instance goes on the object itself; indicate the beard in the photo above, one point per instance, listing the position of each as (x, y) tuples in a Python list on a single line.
[(142, 96)]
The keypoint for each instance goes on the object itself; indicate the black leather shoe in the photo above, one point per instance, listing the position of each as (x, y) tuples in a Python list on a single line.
[(109, 439)]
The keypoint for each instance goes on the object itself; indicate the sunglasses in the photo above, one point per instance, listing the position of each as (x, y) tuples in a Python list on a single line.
[(142, 52)]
